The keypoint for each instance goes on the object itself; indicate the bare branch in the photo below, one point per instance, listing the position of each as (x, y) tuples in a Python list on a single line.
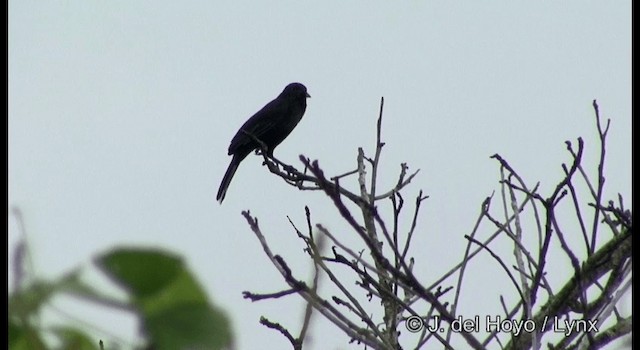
[(499, 260)]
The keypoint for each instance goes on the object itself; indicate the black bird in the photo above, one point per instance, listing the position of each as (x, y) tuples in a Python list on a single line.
[(271, 125)]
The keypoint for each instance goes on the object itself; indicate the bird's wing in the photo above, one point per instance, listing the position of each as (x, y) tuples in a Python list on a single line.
[(258, 125)]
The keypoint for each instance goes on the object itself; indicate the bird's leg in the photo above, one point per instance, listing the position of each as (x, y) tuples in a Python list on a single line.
[(268, 160), (289, 169), (271, 162), (262, 150), (291, 172)]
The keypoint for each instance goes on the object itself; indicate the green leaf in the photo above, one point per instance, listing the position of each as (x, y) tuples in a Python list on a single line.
[(189, 326), (72, 338), (24, 337), (72, 284), (173, 307), (28, 301), (142, 272)]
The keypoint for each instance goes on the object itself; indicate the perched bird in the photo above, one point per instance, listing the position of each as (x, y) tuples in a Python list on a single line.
[(271, 125)]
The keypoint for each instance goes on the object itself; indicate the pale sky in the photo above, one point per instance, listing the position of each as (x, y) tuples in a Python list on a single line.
[(120, 115)]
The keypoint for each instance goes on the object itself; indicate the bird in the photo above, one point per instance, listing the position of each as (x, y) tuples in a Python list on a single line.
[(270, 125)]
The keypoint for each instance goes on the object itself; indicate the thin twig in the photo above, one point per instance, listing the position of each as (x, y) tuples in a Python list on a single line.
[(465, 260), (603, 137), (499, 260)]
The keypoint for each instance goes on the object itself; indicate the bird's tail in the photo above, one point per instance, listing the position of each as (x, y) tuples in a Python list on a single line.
[(226, 180)]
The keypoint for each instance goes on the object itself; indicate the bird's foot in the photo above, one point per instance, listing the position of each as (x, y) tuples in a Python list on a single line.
[(289, 169)]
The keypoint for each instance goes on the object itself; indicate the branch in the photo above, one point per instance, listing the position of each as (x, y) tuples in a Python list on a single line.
[(612, 253)]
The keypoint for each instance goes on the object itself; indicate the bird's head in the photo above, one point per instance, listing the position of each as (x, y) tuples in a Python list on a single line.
[(295, 91)]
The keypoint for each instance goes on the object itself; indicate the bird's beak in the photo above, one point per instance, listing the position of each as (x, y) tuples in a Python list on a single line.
[(308, 95)]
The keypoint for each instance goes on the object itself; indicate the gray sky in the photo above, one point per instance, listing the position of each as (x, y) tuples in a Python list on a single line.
[(120, 115)]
